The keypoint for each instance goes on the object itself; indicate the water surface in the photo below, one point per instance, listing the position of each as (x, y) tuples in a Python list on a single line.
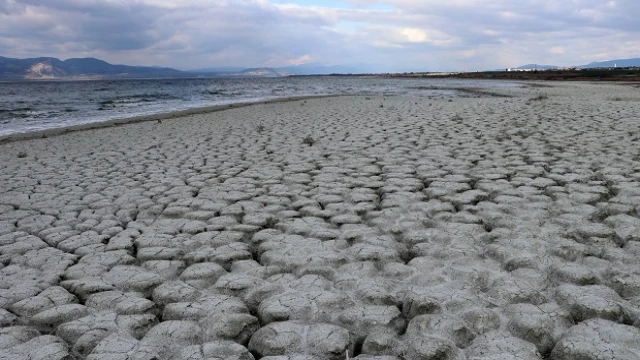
[(32, 106)]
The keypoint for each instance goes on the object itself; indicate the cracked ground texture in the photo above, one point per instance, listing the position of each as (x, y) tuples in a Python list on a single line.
[(499, 227)]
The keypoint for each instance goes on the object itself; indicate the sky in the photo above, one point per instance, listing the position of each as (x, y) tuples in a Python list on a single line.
[(389, 36)]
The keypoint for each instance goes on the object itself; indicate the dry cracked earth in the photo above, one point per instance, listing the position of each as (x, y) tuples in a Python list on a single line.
[(333, 228)]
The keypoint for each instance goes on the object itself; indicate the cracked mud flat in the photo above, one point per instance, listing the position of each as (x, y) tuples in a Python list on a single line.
[(373, 228)]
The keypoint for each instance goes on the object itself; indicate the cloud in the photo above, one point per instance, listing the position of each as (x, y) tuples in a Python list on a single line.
[(74, 25), (299, 60), (396, 34)]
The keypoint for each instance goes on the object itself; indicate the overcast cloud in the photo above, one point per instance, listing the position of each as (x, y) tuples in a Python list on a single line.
[(397, 35)]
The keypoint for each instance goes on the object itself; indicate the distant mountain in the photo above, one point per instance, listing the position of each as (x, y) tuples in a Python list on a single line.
[(264, 72), (314, 69), (537, 66), (596, 64), (306, 69), (219, 69), (47, 68), (613, 63)]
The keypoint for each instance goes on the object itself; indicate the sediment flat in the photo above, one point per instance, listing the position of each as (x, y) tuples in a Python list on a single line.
[(504, 226)]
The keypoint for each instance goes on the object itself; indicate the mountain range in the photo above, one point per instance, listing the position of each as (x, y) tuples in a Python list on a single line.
[(305, 69), (621, 63), (48, 68)]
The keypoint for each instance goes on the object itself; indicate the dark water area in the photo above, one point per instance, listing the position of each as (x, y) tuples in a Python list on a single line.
[(33, 106)]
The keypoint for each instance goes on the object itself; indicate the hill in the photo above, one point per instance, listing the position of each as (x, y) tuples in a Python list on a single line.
[(614, 63), (306, 69), (47, 68), (621, 63), (538, 66)]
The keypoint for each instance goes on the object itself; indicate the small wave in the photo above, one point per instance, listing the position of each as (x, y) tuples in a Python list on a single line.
[(134, 100), (29, 114), (155, 96)]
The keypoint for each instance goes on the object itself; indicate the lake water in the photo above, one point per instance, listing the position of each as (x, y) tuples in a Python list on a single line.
[(32, 106)]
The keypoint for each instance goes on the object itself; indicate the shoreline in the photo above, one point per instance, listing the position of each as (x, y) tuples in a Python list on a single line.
[(142, 118), (545, 76), (472, 91)]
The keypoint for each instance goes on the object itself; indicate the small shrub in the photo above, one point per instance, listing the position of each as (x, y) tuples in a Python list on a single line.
[(487, 224), (271, 223), (503, 135), (539, 97), (260, 128), (308, 140), (22, 154), (522, 133)]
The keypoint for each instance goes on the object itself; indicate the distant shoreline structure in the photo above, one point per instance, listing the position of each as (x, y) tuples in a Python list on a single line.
[(627, 74)]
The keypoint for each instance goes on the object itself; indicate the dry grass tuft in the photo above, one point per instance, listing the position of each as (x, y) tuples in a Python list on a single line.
[(308, 140)]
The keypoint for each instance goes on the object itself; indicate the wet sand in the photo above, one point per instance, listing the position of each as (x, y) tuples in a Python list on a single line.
[(362, 227)]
